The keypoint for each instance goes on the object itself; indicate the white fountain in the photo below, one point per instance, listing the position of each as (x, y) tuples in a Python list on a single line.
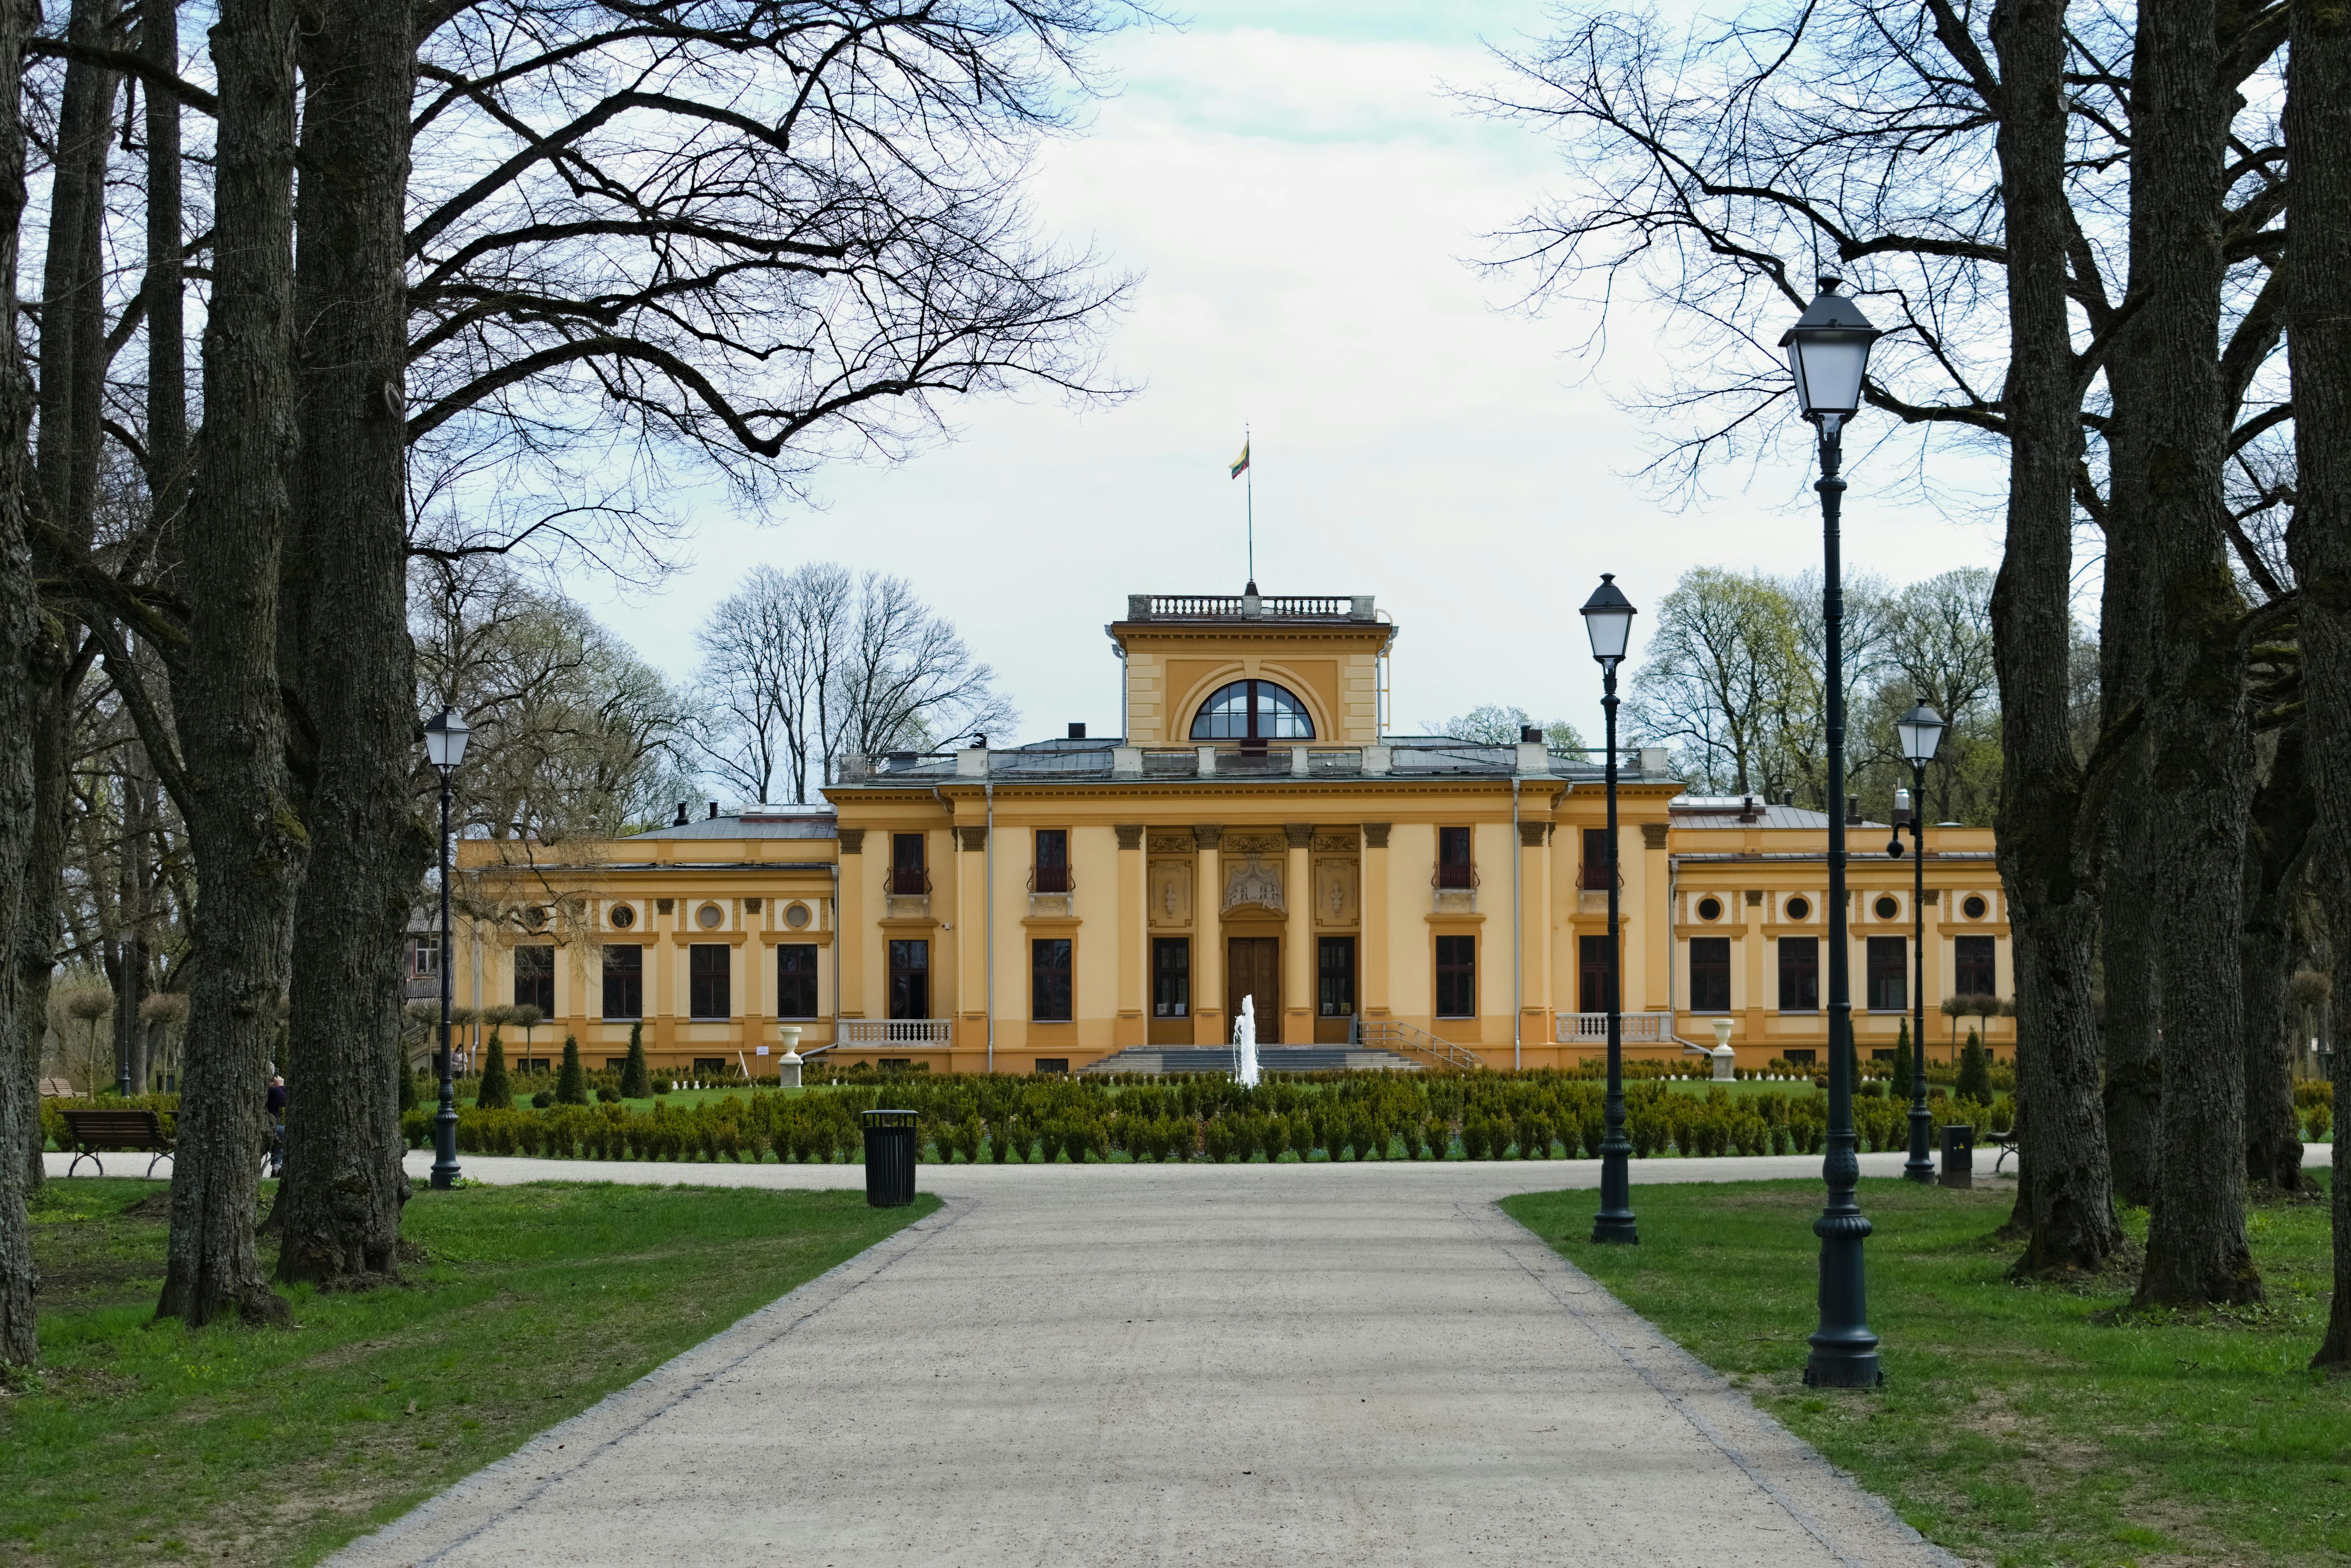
[(1245, 1044)]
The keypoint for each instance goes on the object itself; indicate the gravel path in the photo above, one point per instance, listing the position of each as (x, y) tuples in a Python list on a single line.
[(1199, 1364)]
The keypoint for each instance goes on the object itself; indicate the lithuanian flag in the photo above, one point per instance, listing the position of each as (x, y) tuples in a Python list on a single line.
[(1240, 462)]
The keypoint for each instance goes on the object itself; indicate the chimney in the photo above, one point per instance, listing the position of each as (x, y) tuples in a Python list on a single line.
[(1530, 734), (681, 815), (1852, 810), (1747, 807), (714, 811), (1077, 732), (1787, 797), (980, 742)]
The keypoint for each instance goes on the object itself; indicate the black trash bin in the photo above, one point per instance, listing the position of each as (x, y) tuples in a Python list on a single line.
[(890, 1158), (1958, 1155)]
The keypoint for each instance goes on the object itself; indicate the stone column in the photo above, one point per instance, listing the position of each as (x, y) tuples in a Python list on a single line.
[(1133, 941), (850, 1003), (1372, 961), (1208, 1024), (1297, 959), (1534, 936), (970, 1006)]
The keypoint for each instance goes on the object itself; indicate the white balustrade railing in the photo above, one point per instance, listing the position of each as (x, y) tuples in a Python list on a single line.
[(897, 1031), (1592, 1029)]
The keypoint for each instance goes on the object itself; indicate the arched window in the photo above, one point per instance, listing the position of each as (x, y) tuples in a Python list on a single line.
[(1252, 710)]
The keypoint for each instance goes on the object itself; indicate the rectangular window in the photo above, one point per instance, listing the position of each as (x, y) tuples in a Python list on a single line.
[(624, 982), (531, 1063), (1454, 867), (534, 980), (1599, 861), (1456, 977), (1593, 974), (1889, 980), (907, 873), (1800, 973), (1800, 1056), (423, 958), (1336, 968), (1053, 1066), (1973, 973), (1048, 979), (615, 1064), (710, 1067), (910, 979), (708, 971), (796, 980), (1709, 971), (1171, 976), (1052, 871)]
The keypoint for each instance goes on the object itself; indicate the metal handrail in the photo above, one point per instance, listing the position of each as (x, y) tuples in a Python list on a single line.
[(1041, 876), (1395, 1034), (894, 888), (1470, 879)]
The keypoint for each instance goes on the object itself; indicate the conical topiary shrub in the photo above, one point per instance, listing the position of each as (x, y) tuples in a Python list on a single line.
[(1975, 1071), (636, 1083), (571, 1082), (494, 1093), (1902, 1050)]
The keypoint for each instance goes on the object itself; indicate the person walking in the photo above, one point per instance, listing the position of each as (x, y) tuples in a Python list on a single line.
[(276, 1108)]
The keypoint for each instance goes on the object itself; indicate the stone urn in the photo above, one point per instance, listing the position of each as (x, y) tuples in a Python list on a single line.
[(1725, 1059), (789, 1071)]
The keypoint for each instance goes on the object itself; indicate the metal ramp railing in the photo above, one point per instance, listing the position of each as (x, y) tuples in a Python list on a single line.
[(1395, 1034)]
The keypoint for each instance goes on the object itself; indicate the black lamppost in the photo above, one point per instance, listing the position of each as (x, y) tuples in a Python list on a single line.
[(1920, 732), (444, 744), (1608, 621), (1828, 352)]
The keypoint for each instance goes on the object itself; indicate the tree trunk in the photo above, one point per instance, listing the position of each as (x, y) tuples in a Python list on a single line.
[(2276, 864), (346, 648), (247, 839), (2198, 747), (20, 1036), (2044, 852), (166, 286), (2318, 349)]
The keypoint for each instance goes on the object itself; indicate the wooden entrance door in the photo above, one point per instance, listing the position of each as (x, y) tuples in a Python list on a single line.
[(1253, 969)]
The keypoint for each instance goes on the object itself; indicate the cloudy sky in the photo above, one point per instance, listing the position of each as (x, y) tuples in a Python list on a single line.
[(1301, 201)]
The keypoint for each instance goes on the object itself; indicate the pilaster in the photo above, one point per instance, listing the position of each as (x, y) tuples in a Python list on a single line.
[(1298, 976), (1209, 943)]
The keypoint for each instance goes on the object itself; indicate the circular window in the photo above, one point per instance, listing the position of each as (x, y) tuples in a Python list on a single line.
[(623, 916), (1887, 908), (1710, 908), (534, 917), (1975, 907), (796, 917), (1799, 909), (1252, 710), (709, 917)]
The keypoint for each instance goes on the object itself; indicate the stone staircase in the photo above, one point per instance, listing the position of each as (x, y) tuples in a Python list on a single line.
[(1270, 1058)]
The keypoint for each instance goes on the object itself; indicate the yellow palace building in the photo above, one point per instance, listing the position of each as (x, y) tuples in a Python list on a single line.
[(1256, 833)]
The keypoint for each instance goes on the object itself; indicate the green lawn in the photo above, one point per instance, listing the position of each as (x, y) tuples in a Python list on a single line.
[(2012, 1428), (143, 1442)]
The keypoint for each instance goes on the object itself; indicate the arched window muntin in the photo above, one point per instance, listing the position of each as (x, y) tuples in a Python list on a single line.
[(1252, 710)]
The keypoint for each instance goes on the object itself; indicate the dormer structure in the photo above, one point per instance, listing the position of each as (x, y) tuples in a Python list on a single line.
[(1253, 669)]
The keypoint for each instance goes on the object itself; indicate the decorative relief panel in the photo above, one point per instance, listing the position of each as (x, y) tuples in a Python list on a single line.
[(1335, 893), (1271, 845), (1169, 888), (1171, 844), (1338, 841), (1249, 879)]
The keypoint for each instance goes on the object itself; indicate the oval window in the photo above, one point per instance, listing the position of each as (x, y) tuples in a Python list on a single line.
[(1710, 908), (709, 916), (796, 917), (1887, 908), (1252, 710), (1975, 906), (1799, 909), (623, 916)]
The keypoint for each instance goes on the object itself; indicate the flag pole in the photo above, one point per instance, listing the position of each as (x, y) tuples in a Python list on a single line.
[(1249, 474)]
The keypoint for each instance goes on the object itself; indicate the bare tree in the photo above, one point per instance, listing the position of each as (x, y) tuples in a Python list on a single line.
[(904, 679)]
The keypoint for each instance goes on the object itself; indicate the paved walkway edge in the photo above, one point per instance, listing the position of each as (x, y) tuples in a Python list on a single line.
[(433, 1529), (1819, 1498)]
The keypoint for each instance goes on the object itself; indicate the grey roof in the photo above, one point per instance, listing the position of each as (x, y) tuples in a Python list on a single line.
[(1725, 811), (1091, 759), (813, 823)]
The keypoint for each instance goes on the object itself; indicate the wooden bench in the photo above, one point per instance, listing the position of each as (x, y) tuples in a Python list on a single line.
[(2005, 1141), (138, 1131)]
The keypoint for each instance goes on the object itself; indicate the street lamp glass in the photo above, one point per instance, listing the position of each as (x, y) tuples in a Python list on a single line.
[(1608, 620), (1828, 353), (446, 734), (1920, 732)]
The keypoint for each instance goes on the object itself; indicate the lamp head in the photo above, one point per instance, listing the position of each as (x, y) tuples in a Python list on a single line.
[(1828, 354), (1920, 733), (1608, 620), (446, 734)]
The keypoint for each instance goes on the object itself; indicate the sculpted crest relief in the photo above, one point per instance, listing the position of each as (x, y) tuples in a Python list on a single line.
[(1250, 880)]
